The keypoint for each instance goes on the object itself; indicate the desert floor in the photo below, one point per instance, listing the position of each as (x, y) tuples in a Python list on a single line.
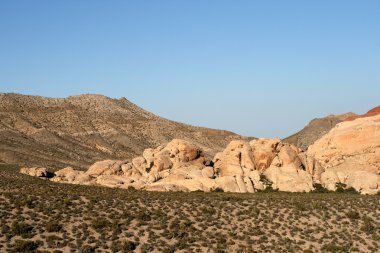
[(41, 216)]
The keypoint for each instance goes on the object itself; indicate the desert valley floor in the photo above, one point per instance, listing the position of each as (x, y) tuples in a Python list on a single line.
[(42, 216)]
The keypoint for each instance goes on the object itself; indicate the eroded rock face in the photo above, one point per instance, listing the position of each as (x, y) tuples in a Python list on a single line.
[(350, 154), (235, 159), (240, 165), (290, 179), (264, 151)]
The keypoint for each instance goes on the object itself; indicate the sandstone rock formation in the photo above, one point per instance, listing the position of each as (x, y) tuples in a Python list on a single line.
[(80, 130), (241, 165), (35, 172), (177, 166), (181, 166), (350, 154)]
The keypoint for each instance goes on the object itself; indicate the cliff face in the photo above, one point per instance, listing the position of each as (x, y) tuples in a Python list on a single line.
[(350, 154), (79, 130)]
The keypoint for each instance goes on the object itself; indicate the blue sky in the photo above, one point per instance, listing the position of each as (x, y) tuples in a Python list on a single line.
[(258, 68)]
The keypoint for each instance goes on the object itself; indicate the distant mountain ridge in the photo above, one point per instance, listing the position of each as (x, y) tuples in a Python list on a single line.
[(79, 130), (316, 129)]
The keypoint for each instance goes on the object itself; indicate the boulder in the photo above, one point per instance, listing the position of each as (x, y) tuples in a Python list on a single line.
[(264, 151), (183, 151), (162, 161), (236, 158), (114, 181), (227, 183), (35, 172), (69, 175), (289, 179), (106, 167), (208, 172)]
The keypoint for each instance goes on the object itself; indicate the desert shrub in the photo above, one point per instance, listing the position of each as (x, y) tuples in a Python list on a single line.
[(330, 247), (208, 210), (131, 188), (254, 211), (30, 203), (87, 249), (53, 227), (353, 215), (300, 206), (144, 215), (342, 188), (25, 246), (351, 190), (267, 183), (22, 229), (170, 249), (129, 246), (265, 180), (146, 248), (218, 189), (100, 223), (5, 229), (368, 226), (320, 189)]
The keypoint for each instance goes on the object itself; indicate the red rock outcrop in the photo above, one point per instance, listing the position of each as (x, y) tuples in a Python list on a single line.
[(373, 112)]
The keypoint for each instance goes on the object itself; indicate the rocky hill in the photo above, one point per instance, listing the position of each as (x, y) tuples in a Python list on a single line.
[(315, 130), (79, 130)]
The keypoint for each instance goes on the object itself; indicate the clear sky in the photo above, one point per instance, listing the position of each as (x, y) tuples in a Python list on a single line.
[(258, 68)]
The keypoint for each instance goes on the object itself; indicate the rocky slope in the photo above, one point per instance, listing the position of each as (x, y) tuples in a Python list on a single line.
[(79, 130), (315, 130)]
